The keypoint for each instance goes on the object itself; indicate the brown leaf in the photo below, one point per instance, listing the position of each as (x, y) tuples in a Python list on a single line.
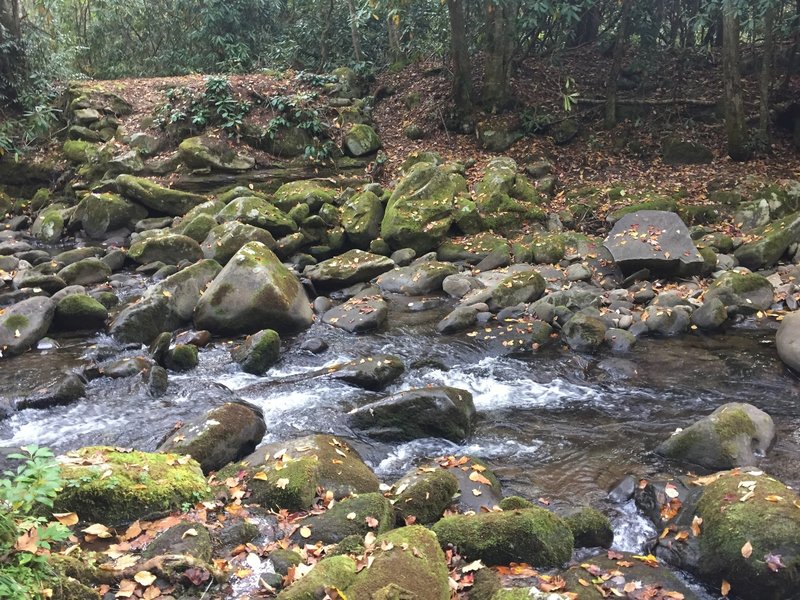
[(371, 522), (27, 541), (747, 549), (725, 588), (67, 519), (696, 522), (478, 478)]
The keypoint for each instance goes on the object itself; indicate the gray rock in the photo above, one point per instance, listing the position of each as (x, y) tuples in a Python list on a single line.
[(85, 272), (462, 317), (68, 389), (168, 248), (214, 154), (371, 372), (23, 324), (619, 340), (584, 333), (666, 321), (223, 241), (655, 240), (443, 412), (160, 198), (416, 279), (527, 286), (734, 435), (711, 315), (258, 352), (361, 140), (787, 341), (460, 284), (742, 293), (578, 272), (363, 312), (403, 257), (355, 266)]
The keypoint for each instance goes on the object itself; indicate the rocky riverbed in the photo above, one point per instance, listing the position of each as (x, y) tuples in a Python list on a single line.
[(401, 386)]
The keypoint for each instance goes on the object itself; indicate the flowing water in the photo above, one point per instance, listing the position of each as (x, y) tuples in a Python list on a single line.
[(553, 425)]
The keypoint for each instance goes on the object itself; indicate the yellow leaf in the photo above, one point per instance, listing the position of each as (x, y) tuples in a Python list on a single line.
[(167, 294), (189, 532), (696, 522), (97, 529), (747, 549), (67, 519), (144, 578), (351, 516), (477, 477), (261, 476), (282, 483), (305, 532), (773, 498), (725, 588)]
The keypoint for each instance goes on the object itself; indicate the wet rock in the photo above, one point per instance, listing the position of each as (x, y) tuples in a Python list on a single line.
[(253, 291), (365, 311), (517, 288), (787, 341), (314, 345), (140, 484), (99, 214), (166, 305), (126, 367), (462, 317), (258, 352), (460, 284), (31, 279), (443, 412), (361, 218), (68, 389), (214, 154), (734, 435), (578, 272), (371, 373), (80, 312), (352, 516), (423, 494), (85, 272), (590, 528), (346, 269), (534, 536), (167, 248), (655, 240), (666, 321), (312, 193), (157, 380), (223, 241), (619, 340), (223, 435), (742, 293), (331, 572), (308, 463), (186, 538), (23, 324), (416, 279), (584, 333), (154, 196), (711, 315), (181, 357)]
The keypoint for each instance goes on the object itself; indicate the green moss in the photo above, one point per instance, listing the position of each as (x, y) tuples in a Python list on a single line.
[(352, 544), (520, 287), (183, 357), (80, 312), (16, 322), (334, 572), (310, 192), (769, 527), (198, 227), (516, 503), (350, 517), (426, 495), (590, 528), (654, 203), (259, 351), (282, 560), (140, 484), (486, 582), (548, 249)]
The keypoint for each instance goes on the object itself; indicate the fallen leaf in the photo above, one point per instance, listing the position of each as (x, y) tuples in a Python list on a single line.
[(478, 478), (305, 532), (696, 522), (261, 476), (97, 529), (747, 549), (351, 516), (189, 532), (145, 578), (774, 562), (725, 588), (67, 519), (671, 491), (371, 522)]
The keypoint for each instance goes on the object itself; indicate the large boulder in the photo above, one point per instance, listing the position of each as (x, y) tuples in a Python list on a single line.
[(168, 248), (361, 219), (346, 269), (85, 272), (417, 279), (420, 211), (258, 212), (307, 191), (223, 435), (115, 486), (23, 324), (157, 197), (787, 341), (223, 241), (682, 152), (655, 240), (506, 199), (742, 293), (287, 474), (443, 412), (423, 494), (771, 244), (358, 515), (80, 312), (254, 291), (526, 286), (214, 154), (165, 306), (365, 311), (734, 435), (99, 214), (361, 140), (533, 535)]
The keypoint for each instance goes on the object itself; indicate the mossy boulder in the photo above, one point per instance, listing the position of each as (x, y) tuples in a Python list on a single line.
[(506, 199), (584, 333), (787, 341), (223, 241), (99, 214), (199, 227), (254, 291), (742, 293), (424, 494), (548, 249), (287, 141), (533, 535), (471, 249), (223, 435), (139, 485), (332, 572), (497, 135), (157, 197), (372, 372), (182, 357), (168, 248), (444, 412), (646, 201), (361, 140), (307, 463), (23, 324), (165, 306), (681, 152), (590, 528), (361, 218), (50, 224), (734, 435), (210, 207), (214, 154), (258, 352), (773, 241), (352, 516), (186, 538), (81, 152), (417, 278), (527, 286), (258, 212), (80, 312), (311, 192), (420, 211), (85, 272), (354, 266)]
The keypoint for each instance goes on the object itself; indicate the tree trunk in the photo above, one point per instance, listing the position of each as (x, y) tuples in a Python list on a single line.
[(395, 49), (587, 28), (11, 56), (766, 73), (616, 66), (351, 9), (500, 44), (462, 69), (735, 127), (324, 38)]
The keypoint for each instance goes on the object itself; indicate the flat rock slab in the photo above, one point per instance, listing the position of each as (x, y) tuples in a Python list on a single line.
[(363, 312), (655, 240)]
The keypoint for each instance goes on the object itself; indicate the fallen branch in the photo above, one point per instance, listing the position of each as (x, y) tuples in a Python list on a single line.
[(651, 102)]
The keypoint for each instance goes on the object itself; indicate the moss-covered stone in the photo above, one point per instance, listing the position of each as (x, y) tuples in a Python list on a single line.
[(258, 352), (505, 199), (590, 528), (361, 218), (49, 225), (215, 154), (186, 538), (773, 241), (361, 140), (534, 536), (334, 572), (183, 357), (516, 503), (584, 333), (99, 214), (159, 198), (643, 202), (527, 286), (311, 192), (85, 272), (198, 228), (80, 312), (168, 248), (744, 293), (351, 516), (424, 494), (223, 241), (139, 485), (258, 212)]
